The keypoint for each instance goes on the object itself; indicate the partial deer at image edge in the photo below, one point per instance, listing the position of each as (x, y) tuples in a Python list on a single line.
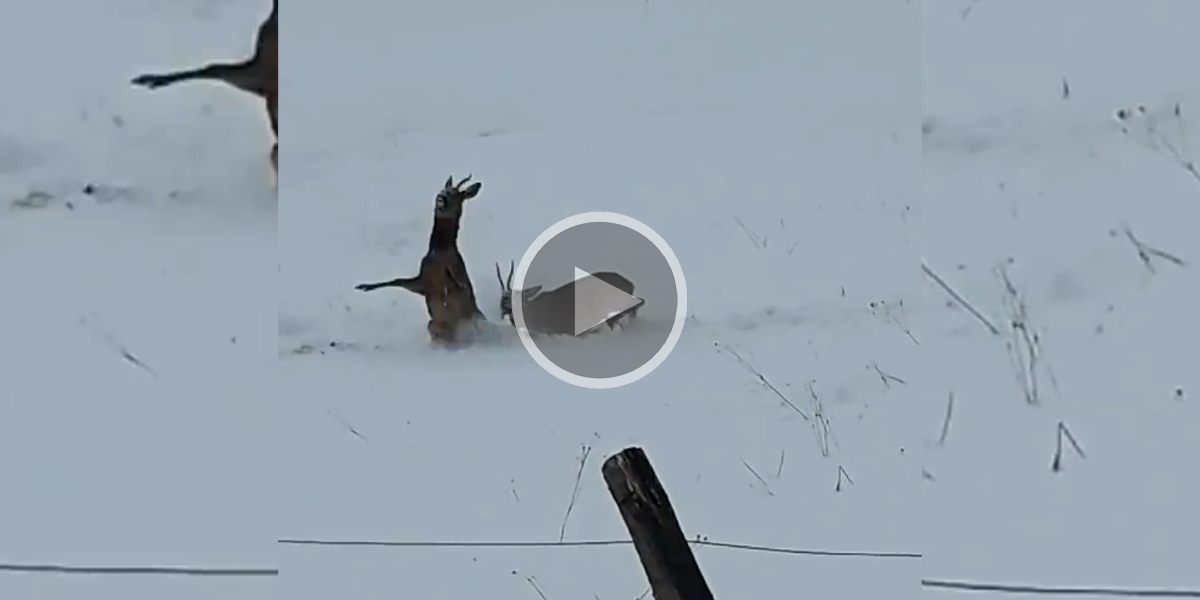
[(258, 75)]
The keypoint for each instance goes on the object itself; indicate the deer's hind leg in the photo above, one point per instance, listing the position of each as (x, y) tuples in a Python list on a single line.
[(623, 320), (273, 116), (448, 335), (275, 166), (440, 332)]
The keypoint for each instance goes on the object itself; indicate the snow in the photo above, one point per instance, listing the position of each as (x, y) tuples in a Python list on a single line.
[(1015, 172), (170, 260), (188, 374), (690, 117)]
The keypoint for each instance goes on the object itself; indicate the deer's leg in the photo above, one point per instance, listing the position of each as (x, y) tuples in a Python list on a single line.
[(275, 166), (243, 75), (273, 111), (441, 332), (273, 117), (620, 320), (412, 284)]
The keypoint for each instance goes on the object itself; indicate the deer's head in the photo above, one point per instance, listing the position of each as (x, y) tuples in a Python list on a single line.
[(450, 200), (506, 292)]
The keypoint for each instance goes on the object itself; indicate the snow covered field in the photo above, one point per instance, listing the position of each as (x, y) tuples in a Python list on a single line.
[(1016, 172), (169, 260), (691, 117), (188, 374)]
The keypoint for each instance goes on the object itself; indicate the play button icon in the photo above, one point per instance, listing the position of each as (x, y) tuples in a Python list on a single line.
[(597, 302), (602, 300)]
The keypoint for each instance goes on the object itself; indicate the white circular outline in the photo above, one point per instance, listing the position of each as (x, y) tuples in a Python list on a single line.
[(600, 383)]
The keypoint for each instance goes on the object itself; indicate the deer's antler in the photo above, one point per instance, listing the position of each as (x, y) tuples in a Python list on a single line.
[(500, 278), (450, 185)]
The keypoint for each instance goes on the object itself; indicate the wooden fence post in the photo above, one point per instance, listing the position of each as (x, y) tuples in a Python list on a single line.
[(657, 536)]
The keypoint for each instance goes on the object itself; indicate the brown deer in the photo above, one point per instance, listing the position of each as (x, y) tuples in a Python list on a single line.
[(258, 75), (442, 278), (553, 312)]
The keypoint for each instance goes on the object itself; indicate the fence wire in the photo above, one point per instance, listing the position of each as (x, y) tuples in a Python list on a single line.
[(1039, 590), (549, 544), (124, 570), (950, 585)]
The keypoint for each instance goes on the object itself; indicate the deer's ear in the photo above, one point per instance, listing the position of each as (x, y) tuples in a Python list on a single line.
[(449, 182), (471, 190)]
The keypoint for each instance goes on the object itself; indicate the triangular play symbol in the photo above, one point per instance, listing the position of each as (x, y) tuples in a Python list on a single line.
[(597, 301)]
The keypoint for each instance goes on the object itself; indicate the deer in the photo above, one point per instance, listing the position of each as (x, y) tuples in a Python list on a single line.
[(553, 312), (442, 277), (258, 75)]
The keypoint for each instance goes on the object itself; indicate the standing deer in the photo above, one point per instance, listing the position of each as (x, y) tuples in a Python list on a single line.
[(553, 312), (442, 278), (258, 75)]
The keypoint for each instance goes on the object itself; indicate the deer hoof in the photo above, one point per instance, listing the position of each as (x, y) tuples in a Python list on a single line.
[(148, 81)]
